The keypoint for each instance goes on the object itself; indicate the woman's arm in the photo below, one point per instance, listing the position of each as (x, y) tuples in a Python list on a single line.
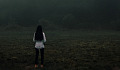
[(34, 37), (44, 38)]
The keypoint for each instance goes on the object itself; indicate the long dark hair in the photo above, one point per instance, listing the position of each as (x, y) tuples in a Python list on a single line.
[(39, 33)]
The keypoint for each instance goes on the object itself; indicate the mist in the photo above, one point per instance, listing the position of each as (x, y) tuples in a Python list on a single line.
[(76, 14), (80, 34)]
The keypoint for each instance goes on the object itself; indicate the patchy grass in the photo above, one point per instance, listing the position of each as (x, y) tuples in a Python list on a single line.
[(64, 50)]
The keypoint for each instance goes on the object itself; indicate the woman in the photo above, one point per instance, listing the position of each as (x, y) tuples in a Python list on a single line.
[(39, 39)]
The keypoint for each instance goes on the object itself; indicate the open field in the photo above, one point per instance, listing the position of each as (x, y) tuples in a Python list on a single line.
[(64, 50)]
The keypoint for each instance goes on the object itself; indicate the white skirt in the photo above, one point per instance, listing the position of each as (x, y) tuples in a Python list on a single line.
[(39, 45)]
